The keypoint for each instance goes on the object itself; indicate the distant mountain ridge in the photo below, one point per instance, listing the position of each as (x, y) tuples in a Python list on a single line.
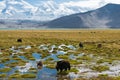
[(46, 9), (21, 24), (107, 16)]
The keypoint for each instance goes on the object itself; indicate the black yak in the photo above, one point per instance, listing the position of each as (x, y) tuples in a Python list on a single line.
[(39, 64), (99, 45), (19, 40), (63, 65), (81, 45)]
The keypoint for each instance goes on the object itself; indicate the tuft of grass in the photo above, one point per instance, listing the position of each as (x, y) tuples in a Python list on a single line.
[(103, 75), (49, 59), (51, 66), (85, 58), (28, 75), (75, 70), (100, 68), (63, 73), (5, 70), (104, 60), (63, 56), (3, 75), (3, 60), (34, 70), (75, 62), (13, 64), (15, 75)]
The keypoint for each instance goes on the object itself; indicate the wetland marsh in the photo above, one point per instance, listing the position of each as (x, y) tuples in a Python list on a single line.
[(18, 59)]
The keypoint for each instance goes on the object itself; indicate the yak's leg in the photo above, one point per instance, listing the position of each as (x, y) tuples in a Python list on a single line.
[(61, 70), (69, 68), (57, 68), (65, 69)]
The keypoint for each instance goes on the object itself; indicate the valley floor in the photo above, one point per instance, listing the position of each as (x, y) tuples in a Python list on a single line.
[(99, 57), (9, 37)]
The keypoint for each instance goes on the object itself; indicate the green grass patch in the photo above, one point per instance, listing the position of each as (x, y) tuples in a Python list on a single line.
[(100, 68), (104, 60), (51, 66), (5, 70), (34, 70), (63, 56), (84, 58), (75, 70), (75, 62), (3, 75), (103, 75), (15, 75), (14, 64), (63, 73), (28, 75), (3, 60)]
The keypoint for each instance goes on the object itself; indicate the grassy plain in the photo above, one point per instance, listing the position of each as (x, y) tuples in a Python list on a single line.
[(110, 40), (34, 37)]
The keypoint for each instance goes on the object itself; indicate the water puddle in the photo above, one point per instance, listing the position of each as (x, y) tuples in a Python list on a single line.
[(36, 56), (47, 74), (51, 74)]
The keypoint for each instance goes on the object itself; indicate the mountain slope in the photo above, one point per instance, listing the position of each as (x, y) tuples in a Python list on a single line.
[(104, 17), (40, 9), (16, 9)]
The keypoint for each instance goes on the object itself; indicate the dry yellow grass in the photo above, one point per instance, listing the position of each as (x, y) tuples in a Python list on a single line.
[(9, 37)]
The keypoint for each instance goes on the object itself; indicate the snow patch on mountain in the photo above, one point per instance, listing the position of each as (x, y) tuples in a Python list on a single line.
[(44, 10)]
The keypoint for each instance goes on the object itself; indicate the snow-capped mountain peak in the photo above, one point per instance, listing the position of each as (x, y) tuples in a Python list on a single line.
[(43, 10), (14, 8)]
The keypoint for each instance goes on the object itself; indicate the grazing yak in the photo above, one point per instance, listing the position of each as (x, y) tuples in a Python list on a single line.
[(99, 45), (81, 45), (62, 65), (19, 40), (39, 64)]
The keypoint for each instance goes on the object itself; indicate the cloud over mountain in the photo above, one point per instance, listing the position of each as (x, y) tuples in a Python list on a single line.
[(104, 17), (47, 9)]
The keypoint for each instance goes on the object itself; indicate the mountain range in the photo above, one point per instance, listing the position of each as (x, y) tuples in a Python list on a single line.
[(21, 14), (45, 10), (107, 16)]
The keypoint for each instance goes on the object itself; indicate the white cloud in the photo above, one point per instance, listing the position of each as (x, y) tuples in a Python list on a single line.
[(112, 1), (92, 4), (2, 5), (88, 4), (50, 9)]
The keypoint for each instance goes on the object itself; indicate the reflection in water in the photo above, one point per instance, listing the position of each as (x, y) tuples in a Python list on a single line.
[(36, 56), (2, 65)]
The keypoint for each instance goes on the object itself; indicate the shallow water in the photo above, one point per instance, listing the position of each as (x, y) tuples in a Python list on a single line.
[(51, 74), (44, 73), (47, 74), (2, 65), (36, 56)]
